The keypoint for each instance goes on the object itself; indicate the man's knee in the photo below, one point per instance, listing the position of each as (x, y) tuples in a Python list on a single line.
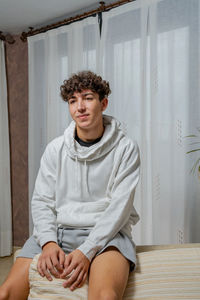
[(4, 294), (107, 294)]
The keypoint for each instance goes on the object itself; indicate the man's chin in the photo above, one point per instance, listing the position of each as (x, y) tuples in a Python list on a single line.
[(83, 125)]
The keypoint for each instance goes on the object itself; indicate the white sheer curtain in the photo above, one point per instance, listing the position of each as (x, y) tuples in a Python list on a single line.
[(5, 193), (151, 57), (149, 51), (53, 56)]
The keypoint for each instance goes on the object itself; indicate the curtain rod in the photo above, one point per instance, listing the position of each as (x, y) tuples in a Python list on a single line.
[(8, 38), (101, 8)]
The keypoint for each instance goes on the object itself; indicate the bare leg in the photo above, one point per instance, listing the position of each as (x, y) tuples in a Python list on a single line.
[(108, 276), (16, 286)]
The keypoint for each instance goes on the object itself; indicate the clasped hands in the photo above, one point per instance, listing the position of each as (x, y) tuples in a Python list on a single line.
[(72, 267)]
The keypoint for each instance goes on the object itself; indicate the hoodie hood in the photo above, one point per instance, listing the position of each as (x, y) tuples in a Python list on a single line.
[(112, 135)]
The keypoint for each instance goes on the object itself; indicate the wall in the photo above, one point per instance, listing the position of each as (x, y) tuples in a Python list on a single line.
[(17, 80)]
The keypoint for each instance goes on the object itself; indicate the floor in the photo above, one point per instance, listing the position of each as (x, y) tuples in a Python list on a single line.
[(5, 266)]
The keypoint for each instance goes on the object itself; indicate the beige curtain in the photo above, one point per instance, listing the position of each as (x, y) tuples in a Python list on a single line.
[(5, 193)]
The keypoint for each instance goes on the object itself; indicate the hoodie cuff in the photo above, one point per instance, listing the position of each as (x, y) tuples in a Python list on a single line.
[(89, 249), (44, 240)]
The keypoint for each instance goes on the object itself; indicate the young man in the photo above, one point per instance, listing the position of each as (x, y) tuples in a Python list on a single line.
[(82, 204)]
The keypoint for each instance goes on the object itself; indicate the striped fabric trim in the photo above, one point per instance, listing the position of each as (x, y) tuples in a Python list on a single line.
[(165, 274), (160, 274)]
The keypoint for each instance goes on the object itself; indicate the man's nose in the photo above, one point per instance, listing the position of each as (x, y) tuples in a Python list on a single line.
[(81, 104)]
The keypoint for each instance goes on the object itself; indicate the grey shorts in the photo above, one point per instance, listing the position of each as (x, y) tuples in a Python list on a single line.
[(69, 239)]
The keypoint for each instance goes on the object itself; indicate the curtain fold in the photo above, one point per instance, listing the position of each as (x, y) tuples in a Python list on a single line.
[(149, 52), (53, 56), (5, 190), (124, 44)]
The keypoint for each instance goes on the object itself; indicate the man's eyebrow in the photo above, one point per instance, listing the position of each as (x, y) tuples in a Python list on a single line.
[(88, 93), (84, 94)]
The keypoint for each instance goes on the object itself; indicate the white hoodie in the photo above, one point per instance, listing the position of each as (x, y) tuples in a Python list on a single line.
[(87, 187)]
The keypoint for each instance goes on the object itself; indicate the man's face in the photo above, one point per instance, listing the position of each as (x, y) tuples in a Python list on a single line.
[(86, 109)]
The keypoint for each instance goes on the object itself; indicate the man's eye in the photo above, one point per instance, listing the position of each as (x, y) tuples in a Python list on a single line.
[(89, 98), (71, 101)]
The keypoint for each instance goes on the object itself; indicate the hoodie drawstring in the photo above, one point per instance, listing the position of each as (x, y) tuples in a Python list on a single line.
[(86, 176), (78, 182), (60, 239), (76, 175)]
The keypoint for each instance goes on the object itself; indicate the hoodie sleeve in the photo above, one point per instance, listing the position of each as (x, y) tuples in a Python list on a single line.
[(43, 200), (117, 214)]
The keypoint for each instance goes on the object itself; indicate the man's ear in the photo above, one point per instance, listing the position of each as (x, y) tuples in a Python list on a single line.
[(104, 104)]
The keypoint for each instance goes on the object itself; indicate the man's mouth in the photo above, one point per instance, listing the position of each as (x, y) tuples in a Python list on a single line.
[(84, 116)]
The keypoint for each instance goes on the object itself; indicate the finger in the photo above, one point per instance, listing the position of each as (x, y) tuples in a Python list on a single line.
[(67, 271), (67, 261), (84, 280), (45, 270), (68, 267), (62, 259), (39, 268), (78, 281), (72, 278), (51, 268), (56, 267), (59, 262)]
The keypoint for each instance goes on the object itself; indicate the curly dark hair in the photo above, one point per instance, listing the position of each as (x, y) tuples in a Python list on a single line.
[(82, 81)]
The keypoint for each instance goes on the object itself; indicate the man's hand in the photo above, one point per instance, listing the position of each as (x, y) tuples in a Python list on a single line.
[(51, 261), (77, 264)]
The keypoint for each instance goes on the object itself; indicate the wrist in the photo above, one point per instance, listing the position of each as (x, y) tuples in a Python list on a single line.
[(48, 244)]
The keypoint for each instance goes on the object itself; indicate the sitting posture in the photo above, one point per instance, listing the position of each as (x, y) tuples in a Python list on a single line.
[(82, 203)]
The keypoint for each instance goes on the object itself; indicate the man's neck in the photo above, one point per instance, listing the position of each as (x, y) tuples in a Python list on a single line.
[(90, 135)]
